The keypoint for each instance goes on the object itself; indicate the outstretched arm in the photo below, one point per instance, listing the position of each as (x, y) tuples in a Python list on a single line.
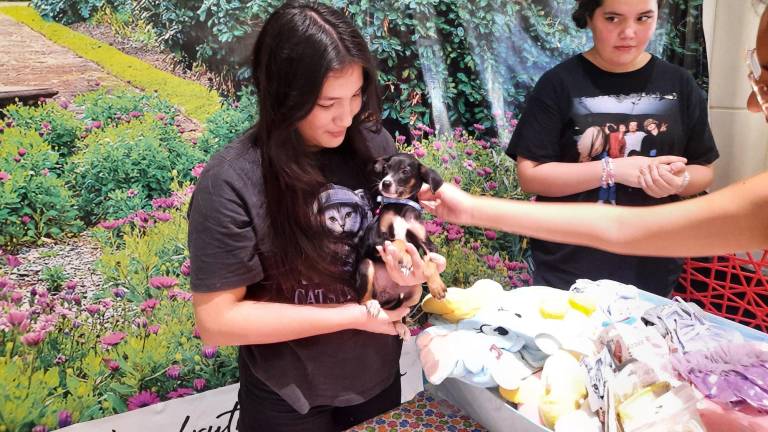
[(729, 220)]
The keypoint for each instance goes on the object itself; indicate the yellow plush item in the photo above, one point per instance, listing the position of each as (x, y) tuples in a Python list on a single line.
[(564, 387), (554, 307), (530, 389), (583, 303), (462, 303)]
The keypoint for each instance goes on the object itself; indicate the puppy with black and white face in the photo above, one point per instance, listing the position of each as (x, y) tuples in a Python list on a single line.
[(402, 176), (398, 221)]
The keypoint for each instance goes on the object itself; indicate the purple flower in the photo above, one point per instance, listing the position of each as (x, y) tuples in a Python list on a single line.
[(161, 216), (17, 159), (140, 322), (112, 339), (480, 172), (40, 428), (118, 292), (64, 103), (12, 261), (457, 180), (93, 309), (153, 329), (198, 169), (96, 124), (134, 114), (160, 117), (433, 228), (173, 371), (16, 297), (478, 127), (445, 159), (142, 399), (44, 172), (420, 153), (196, 333), (484, 144), (455, 232), (469, 152), (45, 125), (198, 384), (65, 418), (437, 145), (112, 365), (491, 186), (469, 164), (492, 261), (180, 295), (416, 132), (475, 246), (4, 176), (400, 139), (131, 193), (180, 393), (209, 352), (490, 235), (16, 317), (159, 203), (70, 285), (149, 305), (186, 268), (22, 151), (161, 282), (33, 339), (60, 359), (450, 144), (488, 170)]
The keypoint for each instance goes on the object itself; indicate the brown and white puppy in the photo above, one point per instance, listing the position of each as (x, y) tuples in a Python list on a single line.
[(398, 220)]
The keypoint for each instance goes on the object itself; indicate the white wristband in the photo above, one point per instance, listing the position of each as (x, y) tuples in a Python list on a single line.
[(686, 179)]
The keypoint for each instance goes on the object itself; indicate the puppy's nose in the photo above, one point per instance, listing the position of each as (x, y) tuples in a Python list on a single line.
[(387, 183)]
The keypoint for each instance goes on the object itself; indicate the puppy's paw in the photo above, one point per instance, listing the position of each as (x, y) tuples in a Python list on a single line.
[(403, 331), (437, 288), (373, 308)]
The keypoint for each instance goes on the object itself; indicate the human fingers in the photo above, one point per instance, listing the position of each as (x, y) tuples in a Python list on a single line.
[(669, 159)]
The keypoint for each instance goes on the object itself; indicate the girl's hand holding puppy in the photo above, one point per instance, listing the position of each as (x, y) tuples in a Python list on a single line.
[(412, 274)]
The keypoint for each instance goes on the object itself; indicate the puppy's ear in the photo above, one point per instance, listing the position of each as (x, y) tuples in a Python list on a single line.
[(379, 165), (430, 177)]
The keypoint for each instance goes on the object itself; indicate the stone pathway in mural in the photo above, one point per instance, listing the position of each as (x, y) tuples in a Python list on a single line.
[(31, 60)]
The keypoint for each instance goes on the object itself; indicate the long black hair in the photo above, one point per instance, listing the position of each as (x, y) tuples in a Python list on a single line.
[(299, 45), (585, 9)]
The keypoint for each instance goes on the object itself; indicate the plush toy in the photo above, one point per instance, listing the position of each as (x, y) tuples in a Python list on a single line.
[(564, 387), (504, 341), (463, 303)]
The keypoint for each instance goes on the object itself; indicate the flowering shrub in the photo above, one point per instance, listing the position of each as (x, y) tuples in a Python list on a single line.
[(479, 167), (74, 356), (229, 122), (102, 108), (52, 121), (34, 202), (139, 158)]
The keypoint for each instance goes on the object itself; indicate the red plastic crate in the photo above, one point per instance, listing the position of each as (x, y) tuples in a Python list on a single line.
[(734, 287)]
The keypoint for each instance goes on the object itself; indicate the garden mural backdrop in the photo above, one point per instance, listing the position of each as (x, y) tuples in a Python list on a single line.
[(114, 168)]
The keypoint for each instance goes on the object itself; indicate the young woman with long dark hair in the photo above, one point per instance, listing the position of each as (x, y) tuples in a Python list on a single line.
[(272, 224)]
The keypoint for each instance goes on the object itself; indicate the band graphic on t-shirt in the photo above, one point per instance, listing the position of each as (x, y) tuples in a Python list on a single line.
[(619, 126)]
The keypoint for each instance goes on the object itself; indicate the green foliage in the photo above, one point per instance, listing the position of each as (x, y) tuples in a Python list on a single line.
[(481, 168), (115, 106), (54, 277), (68, 12), (34, 202), (229, 122), (145, 155), (58, 126)]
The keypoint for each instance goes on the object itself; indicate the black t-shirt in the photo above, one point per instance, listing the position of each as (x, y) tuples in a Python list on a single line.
[(229, 248), (569, 117)]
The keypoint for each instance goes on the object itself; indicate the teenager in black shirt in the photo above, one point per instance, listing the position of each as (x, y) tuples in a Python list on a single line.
[(271, 229), (562, 143)]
